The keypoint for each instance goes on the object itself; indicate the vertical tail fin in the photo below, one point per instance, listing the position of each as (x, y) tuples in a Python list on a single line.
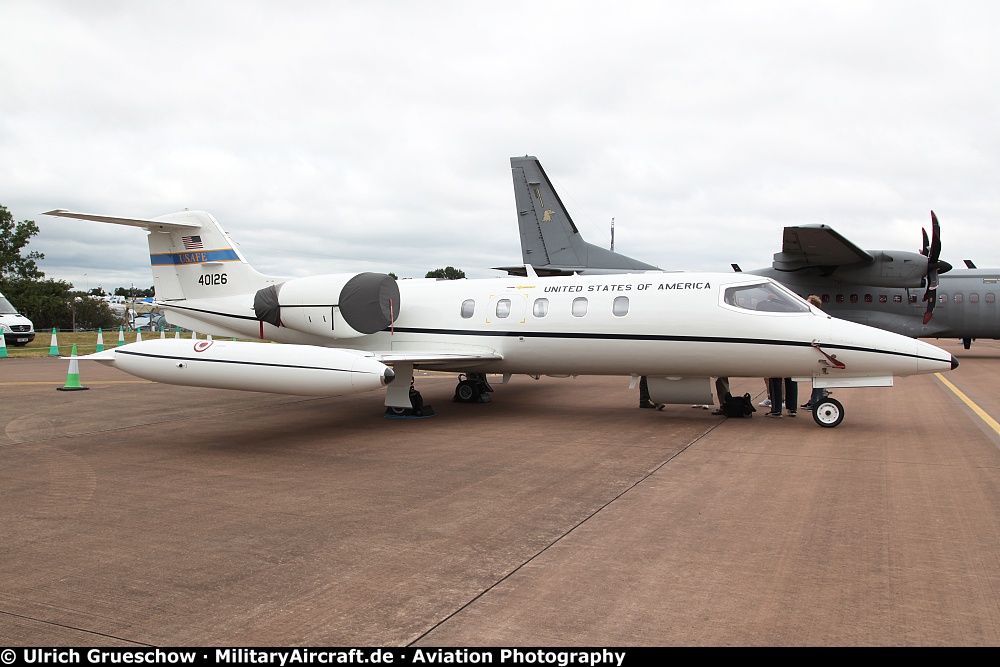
[(549, 239), (191, 256)]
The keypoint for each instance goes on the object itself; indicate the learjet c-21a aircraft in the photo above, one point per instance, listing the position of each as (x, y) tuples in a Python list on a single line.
[(339, 334)]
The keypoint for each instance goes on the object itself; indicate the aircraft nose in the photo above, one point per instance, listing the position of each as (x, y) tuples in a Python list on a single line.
[(954, 362)]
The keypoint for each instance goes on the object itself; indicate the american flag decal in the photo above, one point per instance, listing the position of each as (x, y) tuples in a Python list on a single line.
[(192, 243)]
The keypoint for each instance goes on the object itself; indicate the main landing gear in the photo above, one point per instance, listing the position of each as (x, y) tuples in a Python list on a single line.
[(418, 408), (473, 388)]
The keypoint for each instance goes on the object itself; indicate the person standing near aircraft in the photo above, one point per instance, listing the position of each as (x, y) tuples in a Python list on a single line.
[(644, 401), (791, 395)]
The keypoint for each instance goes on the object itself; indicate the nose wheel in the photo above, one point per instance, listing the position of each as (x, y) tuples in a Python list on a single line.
[(828, 413)]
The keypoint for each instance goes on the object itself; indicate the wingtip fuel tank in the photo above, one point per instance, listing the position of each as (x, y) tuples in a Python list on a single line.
[(303, 370)]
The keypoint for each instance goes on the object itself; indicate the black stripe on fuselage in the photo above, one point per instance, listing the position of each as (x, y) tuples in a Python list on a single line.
[(656, 337), (236, 362), (572, 335)]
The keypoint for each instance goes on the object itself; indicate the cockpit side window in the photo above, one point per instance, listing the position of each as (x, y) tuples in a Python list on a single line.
[(764, 297)]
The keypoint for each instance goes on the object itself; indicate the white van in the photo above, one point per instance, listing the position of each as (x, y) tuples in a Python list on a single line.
[(17, 329)]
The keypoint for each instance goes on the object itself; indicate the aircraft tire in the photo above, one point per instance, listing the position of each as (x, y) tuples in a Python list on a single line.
[(828, 413), (466, 392)]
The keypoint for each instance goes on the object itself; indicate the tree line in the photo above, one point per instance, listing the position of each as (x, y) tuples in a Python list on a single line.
[(46, 302)]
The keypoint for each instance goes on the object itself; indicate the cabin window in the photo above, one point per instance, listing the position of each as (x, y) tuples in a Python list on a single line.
[(883, 298), (579, 306), (868, 298), (974, 297), (897, 298), (826, 298), (958, 298), (468, 308), (840, 298), (854, 298), (620, 306), (913, 298), (503, 308), (990, 298), (540, 308), (942, 298)]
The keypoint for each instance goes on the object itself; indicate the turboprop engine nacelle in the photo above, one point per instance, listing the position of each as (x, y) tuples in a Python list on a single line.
[(334, 306), (890, 269), (302, 370)]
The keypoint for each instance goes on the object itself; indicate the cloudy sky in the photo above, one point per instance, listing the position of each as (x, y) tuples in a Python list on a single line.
[(334, 136)]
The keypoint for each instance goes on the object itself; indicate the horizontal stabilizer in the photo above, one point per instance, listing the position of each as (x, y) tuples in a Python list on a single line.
[(130, 222)]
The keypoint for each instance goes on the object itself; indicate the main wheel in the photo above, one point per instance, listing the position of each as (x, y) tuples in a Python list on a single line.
[(828, 412), (466, 391)]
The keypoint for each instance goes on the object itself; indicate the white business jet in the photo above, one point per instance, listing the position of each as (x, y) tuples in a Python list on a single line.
[(339, 334)]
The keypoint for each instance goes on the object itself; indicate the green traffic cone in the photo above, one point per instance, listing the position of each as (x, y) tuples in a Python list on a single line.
[(100, 341), (54, 345), (73, 376), (121, 336), (3, 346)]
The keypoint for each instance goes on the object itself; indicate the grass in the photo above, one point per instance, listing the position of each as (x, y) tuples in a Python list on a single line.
[(86, 343)]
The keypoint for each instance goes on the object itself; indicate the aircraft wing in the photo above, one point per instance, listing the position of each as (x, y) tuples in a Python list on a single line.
[(816, 245)]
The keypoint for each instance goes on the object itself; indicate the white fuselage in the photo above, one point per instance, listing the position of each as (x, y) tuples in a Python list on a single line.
[(657, 324)]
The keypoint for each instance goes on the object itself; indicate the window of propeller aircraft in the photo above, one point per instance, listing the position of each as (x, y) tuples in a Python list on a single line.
[(974, 297), (840, 298), (868, 298), (897, 298), (854, 298), (913, 298), (958, 298), (990, 298), (825, 298), (540, 308), (764, 297), (579, 306), (883, 298), (468, 308), (942, 298), (620, 306)]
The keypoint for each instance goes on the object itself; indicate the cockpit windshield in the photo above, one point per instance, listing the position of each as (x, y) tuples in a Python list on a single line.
[(6, 308), (765, 297)]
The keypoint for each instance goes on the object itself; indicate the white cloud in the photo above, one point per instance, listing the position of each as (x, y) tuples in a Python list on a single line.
[(343, 136)]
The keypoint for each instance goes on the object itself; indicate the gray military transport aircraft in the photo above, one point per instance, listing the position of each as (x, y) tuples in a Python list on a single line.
[(898, 291)]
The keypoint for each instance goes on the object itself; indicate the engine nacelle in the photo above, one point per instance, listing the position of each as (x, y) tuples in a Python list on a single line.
[(890, 269), (334, 306), (302, 370)]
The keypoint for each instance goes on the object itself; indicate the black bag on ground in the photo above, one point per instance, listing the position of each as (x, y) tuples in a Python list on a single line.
[(738, 406)]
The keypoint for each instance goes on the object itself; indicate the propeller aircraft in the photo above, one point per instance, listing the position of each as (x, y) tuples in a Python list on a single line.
[(903, 292)]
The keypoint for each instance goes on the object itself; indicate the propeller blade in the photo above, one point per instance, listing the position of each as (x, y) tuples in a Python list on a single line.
[(932, 250), (935, 253)]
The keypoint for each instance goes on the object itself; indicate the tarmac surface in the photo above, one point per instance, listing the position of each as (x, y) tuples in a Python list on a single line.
[(558, 515)]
